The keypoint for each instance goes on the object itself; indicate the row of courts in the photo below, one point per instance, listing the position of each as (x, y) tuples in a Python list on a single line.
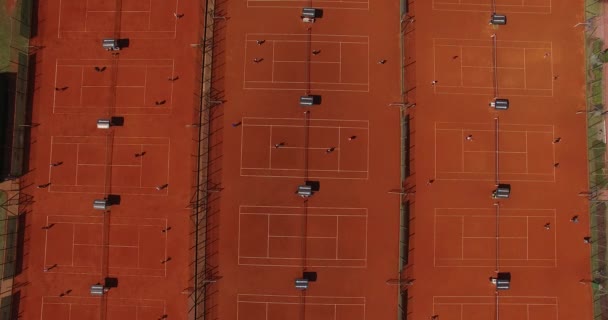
[(97, 15), (264, 307), (462, 66), (333, 237), (84, 159)]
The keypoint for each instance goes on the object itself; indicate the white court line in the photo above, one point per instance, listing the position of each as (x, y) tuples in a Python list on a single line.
[(434, 66), (146, 83), (479, 179), (81, 83), (86, 15), (168, 166), (490, 45), (307, 215), (68, 63), (493, 237), (301, 237), (54, 91), (299, 119), (322, 259), (42, 302), (321, 89), (309, 148), (172, 85), (100, 245), (462, 240), (340, 69), (302, 126), (150, 21), (481, 93), (51, 161), (273, 61), (476, 87), (461, 74), (527, 237), (507, 68), (552, 71), (141, 163), (254, 35), (175, 23), (526, 152), (481, 172), (292, 7), (73, 241), (46, 241), (311, 265), (319, 170), (111, 86), (310, 207), (462, 145), (554, 157), (501, 152), (245, 65), (435, 146), (269, 150), (294, 61), (298, 303), (492, 130), (525, 80), (267, 238), (313, 82), (122, 11), (101, 165), (286, 176), (502, 259), (337, 234), (503, 42), (338, 148)]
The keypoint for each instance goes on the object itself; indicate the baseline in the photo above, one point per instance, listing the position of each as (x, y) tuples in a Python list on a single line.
[(78, 307), (485, 307), (263, 307)]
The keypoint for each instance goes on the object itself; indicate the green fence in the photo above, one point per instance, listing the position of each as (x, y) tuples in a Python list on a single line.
[(596, 56)]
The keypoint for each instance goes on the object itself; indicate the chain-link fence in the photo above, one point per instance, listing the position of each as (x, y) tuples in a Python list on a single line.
[(207, 181), (408, 93)]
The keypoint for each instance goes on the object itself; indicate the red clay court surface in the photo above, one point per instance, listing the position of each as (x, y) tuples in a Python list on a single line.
[(343, 66), (84, 165), (525, 68), (144, 240), (505, 6), (460, 235), (139, 19), (526, 152), (260, 157), (139, 84), (346, 231), (272, 236)]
